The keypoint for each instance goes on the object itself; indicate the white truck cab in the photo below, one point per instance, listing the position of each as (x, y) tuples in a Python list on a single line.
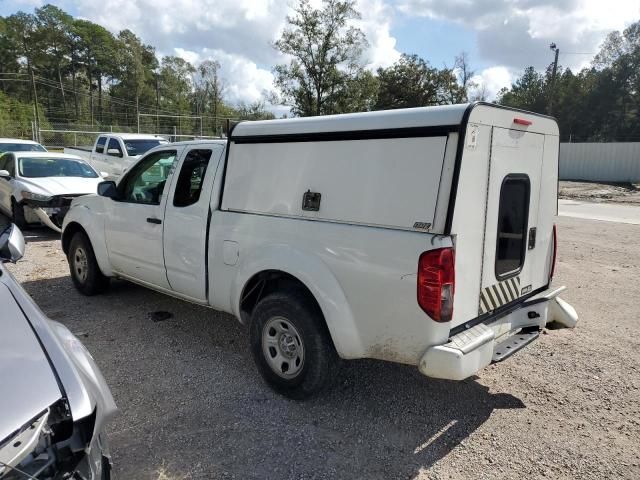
[(114, 153), (422, 236)]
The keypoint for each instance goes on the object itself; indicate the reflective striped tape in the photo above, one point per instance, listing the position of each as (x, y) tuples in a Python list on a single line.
[(494, 296)]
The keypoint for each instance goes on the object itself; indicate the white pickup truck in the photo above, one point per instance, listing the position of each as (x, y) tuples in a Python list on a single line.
[(423, 236), (114, 153)]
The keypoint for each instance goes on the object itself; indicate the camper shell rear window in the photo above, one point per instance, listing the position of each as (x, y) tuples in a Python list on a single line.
[(513, 220)]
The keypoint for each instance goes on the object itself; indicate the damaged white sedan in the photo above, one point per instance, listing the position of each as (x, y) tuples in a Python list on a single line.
[(54, 401), (38, 187)]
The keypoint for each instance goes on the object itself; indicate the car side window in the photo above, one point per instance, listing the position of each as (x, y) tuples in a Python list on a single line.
[(114, 144), (146, 181), (191, 177), (100, 144)]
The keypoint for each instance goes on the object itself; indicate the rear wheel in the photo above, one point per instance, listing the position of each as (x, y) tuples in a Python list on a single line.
[(17, 214), (291, 345), (84, 269)]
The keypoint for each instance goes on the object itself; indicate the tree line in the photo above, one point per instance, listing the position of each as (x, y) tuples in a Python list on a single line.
[(77, 73), (599, 103), (82, 74)]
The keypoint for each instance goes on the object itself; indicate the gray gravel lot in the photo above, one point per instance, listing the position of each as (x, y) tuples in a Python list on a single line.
[(193, 406)]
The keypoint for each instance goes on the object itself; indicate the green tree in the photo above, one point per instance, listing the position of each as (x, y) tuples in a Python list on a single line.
[(136, 77), (52, 32), (528, 92), (209, 90), (326, 57), (253, 111), (412, 82)]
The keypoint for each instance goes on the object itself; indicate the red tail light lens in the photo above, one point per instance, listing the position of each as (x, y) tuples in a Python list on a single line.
[(555, 253), (436, 283)]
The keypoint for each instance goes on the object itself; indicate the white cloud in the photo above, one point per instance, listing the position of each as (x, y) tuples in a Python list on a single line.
[(376, 25), (238, 33), (490, 81), (517, 33)]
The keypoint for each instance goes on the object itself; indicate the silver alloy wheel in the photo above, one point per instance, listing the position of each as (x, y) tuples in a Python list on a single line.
[(80, 264), (282, 347)]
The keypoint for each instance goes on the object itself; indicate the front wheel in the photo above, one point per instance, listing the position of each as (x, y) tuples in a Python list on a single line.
[(291, 345), (84, 269)]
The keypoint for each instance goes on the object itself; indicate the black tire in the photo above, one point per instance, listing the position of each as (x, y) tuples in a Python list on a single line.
[(319, 361), (88, 279), (17, 215)]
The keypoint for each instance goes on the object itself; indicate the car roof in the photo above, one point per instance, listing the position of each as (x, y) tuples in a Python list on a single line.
[(45, 155), (18, 140)]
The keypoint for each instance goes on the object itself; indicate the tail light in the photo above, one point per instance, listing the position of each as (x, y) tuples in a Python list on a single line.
[(555, 253), (436, 283)]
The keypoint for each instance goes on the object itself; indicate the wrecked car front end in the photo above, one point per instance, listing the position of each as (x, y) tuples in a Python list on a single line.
[(55, 402), (48, 210), (52, 445)]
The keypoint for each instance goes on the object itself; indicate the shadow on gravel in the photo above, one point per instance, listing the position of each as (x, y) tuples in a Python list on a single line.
[(193, 406), (39, 234), (35, 233)]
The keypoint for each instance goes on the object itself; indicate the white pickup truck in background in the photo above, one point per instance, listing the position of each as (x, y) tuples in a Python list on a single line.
[(114, 153), (422, 236)]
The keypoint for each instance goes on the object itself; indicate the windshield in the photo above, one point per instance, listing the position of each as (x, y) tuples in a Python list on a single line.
[(21, 147), (54, 167), (138, 147)]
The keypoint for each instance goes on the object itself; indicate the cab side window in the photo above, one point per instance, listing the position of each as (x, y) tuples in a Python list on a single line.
[(189, 184), (100, 144), (114, 145), (145, 183)]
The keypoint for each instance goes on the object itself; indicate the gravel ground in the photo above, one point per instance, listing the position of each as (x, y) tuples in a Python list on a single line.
[(193, 406), (601, 192)]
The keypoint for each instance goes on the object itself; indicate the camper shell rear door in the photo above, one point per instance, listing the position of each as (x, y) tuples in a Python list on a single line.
[(512, 217), (502, 209)]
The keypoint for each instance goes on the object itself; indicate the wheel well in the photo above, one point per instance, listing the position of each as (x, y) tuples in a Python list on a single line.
[(266, 282), (68, 234)]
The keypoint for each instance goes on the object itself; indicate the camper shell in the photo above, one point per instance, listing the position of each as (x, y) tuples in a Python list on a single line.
[(423, 236)]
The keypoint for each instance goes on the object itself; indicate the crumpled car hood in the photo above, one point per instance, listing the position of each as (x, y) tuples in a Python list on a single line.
[(29, 384), (62, 185)]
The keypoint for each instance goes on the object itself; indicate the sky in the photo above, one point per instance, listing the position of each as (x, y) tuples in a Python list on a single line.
[(501, 37)]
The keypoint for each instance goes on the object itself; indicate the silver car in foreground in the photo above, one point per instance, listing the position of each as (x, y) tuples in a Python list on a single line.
[(54, 402)]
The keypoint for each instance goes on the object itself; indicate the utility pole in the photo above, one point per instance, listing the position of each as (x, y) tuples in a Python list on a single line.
[(554, 48), (35, 105)]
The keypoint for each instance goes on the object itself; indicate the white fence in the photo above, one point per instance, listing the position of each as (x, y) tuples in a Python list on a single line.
[(600, 162)]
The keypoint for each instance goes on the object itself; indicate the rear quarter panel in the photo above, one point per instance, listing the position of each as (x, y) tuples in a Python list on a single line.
[(364, 278)]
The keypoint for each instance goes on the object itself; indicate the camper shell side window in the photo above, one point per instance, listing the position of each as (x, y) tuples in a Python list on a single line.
[(513, 220)]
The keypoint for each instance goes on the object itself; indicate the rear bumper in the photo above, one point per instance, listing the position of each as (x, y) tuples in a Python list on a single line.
[(471, 350)]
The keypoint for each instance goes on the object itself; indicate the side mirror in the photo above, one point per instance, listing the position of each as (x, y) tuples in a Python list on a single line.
[(107, 189), (11, 244), (5, 174), (114, 152)]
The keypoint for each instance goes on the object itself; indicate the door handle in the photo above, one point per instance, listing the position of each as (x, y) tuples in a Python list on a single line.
[(157, 221), (532, 238)]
